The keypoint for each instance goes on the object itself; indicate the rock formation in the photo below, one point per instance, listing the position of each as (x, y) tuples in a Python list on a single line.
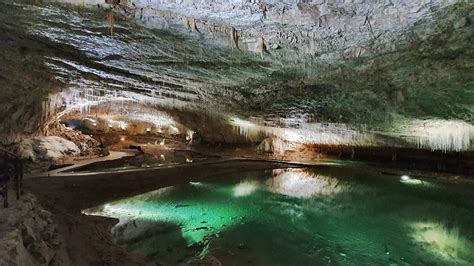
[(29, 236)]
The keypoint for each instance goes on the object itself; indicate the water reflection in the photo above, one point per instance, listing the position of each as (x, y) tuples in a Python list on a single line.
[(302, 183), (443, 242), (245, 188)]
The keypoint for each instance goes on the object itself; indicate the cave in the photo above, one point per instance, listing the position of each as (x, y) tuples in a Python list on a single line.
[(239, 132)]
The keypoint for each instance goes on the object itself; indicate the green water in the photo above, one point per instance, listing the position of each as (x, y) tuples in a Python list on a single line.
[(300, 217)]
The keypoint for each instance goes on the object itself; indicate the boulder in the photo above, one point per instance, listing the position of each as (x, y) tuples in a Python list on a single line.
[(50, 148)]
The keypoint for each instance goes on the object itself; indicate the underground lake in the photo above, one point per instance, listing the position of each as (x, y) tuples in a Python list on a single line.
[(299, 216)]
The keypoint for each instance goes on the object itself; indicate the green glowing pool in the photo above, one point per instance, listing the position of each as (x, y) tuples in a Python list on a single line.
[(300, 217)]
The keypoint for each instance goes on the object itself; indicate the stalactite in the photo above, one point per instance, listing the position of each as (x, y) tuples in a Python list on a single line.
[(111, 21), (314, 133), (262, 48), (186, 22), (442, 135), (190, 23), (446, 138), (234, 38)]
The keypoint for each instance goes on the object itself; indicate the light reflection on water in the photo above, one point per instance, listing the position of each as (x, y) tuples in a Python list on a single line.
[(301, 183), (299, 217)]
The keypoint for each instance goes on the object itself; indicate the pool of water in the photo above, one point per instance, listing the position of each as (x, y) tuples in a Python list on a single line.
[(300, 217)]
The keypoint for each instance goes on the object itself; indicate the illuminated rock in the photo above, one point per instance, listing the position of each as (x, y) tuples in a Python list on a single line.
[(48, 148)]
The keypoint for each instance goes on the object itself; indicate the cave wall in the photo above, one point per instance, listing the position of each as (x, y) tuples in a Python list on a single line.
[(30, 118), (28, 98)]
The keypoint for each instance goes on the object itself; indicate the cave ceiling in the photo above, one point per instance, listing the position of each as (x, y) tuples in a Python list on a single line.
[(381, 82)]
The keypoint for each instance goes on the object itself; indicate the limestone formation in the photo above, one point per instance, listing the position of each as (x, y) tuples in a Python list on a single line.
[(111, 21), (262, 47), (234, 38), (190, 23), (29, 236)]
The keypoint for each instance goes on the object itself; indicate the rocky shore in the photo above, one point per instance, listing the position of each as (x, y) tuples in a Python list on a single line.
[(28, 235)]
